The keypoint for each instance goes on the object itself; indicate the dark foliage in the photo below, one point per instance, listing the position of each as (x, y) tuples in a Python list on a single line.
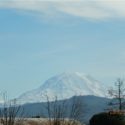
[(107, 119)]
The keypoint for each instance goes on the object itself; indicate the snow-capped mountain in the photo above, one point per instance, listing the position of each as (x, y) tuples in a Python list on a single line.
[(64, 86)]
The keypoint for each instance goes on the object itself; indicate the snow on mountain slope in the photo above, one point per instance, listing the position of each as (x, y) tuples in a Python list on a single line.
[(1, 99), (64, 86)]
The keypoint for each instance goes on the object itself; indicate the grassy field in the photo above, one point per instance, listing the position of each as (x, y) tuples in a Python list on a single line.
[(43, 121)]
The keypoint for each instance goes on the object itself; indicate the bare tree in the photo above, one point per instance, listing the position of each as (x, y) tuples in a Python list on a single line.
[(55, 111), (9, 111), (76, 109), (118, 93), (61, 112)]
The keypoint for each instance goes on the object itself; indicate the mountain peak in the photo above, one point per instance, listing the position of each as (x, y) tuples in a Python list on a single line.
[(64, 86), (71, 73)]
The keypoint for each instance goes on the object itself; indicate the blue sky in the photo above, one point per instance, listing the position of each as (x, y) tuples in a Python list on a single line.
[(40, 39)]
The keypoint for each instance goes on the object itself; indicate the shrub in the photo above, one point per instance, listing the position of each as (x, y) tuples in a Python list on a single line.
[(107, 119)]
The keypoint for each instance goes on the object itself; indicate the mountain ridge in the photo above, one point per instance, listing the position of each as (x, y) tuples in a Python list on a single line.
[(92, 105)]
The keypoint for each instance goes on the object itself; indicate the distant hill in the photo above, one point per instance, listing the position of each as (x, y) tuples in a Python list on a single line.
[(91, 106)]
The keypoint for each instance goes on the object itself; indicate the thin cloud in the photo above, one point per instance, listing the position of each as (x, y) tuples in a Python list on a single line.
[(80, 8)]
